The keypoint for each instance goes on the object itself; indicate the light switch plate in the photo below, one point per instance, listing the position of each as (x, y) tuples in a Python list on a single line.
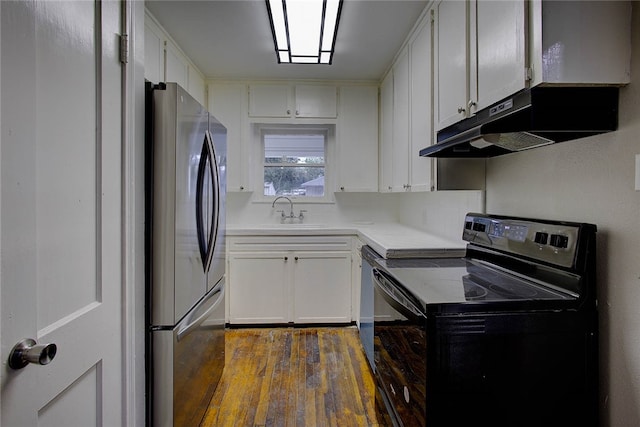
[(637, 172)]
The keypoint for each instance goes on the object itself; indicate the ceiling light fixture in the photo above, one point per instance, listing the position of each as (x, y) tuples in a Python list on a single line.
[(304, 31)]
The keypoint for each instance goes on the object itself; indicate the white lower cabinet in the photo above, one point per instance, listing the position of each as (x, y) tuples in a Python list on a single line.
[(258, 289), (300, 285), (322, 287)]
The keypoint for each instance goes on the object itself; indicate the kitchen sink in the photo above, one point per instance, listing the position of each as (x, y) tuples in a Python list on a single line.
[(294, 225)]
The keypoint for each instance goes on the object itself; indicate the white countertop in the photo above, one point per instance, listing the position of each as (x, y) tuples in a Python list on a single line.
[(390, 240)]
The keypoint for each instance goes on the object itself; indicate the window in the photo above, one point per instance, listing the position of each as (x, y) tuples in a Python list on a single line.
[(294, 161)]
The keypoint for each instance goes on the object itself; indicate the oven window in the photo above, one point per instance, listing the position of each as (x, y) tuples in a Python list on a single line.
[(400, 347)]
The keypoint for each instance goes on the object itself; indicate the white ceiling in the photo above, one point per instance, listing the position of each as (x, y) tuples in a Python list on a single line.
[(232, 39)]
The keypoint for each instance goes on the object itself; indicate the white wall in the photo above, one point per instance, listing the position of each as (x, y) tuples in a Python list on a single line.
[(441, 212), (592, 180)]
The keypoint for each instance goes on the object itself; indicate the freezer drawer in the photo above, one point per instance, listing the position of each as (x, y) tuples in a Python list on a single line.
[(188, 362)]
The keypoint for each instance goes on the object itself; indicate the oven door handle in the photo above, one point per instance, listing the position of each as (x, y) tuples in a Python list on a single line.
[(396, 299)]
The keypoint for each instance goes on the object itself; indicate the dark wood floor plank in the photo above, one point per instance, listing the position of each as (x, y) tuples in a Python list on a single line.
[(301, 389), (294, 377)]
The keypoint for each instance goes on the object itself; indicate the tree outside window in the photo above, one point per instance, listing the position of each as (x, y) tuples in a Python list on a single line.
[(294, 163)]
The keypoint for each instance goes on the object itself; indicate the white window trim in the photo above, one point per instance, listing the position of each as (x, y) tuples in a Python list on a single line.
[(258, 153)]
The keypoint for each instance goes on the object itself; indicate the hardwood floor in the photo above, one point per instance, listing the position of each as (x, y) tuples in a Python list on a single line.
[(294, 377)]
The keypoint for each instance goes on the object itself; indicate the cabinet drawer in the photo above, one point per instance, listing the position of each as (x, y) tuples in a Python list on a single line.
[(289, 243)]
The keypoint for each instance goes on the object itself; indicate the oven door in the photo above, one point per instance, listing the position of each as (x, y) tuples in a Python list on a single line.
[(400, 352)]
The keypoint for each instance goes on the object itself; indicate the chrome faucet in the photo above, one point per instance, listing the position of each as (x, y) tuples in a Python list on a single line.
[(283, 216), (291, 215)]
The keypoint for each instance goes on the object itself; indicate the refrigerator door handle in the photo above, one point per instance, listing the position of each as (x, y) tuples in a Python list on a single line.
[(205, 235), (201, 311), (215, 186)]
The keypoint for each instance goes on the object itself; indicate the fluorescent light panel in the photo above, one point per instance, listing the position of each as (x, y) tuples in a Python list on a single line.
[(304, 31)]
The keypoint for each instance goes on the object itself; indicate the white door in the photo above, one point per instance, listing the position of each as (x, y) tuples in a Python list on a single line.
[(451, 63), (400, 150), (60, 195), (258, 287), (322, 287)]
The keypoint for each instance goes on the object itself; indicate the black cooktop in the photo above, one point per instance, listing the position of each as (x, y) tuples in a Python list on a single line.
[(461, 280)]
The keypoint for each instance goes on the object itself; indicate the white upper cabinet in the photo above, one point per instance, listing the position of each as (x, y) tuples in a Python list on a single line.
[(153, 52), (501, 53), (267, 100), (421, 107), (196, 85), (487, 50), (165, 62), (356, 136), (399, 154), (406, 116), (316, 101), (580, 42), (177, 67), (480, 56), (227, 102), (385, 179), (357, 139), (451, 62), (299, 101)]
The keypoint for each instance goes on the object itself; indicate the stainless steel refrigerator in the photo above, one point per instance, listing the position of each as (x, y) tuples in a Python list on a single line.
[(185, 245)]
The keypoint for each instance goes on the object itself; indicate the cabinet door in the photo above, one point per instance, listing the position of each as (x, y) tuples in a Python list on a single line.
[(421, 136), (316, 101), (580, 42), (451, 61), (500, 50), (357, 139), (386, 134), (153, 53), (258, 287), (196, 86), (400, 169), (356, 278), (227, 103), (177, 66), (322, 287), (269, 101)]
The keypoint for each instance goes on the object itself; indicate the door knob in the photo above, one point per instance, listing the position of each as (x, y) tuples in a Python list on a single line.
[(26, 351)]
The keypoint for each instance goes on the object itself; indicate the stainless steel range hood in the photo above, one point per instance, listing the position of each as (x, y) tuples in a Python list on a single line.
[(531, 118)]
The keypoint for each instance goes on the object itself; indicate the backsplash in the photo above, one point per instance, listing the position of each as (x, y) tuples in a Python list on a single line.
[(440, 213)]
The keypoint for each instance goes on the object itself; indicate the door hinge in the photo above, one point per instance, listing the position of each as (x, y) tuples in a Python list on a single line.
[(528, 74), (124, 48)]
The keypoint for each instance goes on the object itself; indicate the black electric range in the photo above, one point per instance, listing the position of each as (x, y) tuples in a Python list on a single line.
[(505, 336)]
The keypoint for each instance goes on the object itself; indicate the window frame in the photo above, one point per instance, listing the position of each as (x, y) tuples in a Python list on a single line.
[(260, 129)]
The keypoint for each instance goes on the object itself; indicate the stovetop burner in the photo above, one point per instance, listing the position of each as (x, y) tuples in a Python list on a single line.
[(473, 291), (503, 285), (510, 289)]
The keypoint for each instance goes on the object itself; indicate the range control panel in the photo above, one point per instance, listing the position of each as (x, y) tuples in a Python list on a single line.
[(549, 241)]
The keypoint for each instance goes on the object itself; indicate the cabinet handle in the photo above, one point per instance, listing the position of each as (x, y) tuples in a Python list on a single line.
[(286, 258), (296, 258), (471, 104), (461, 110), (241, 187), (288, 112), (297, 113), (341, 188)]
